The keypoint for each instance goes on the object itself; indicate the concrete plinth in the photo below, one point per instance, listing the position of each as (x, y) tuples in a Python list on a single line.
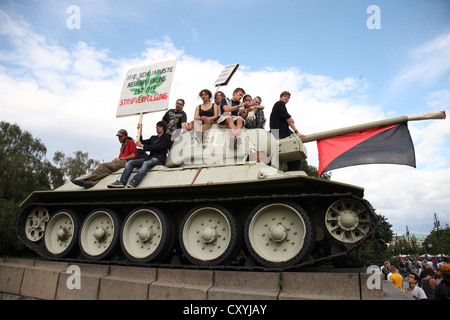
[(89, 282), (242, 285), (312, 286), (173, 284), (36, 279), (11, 274), (127, 283), (41, 280)]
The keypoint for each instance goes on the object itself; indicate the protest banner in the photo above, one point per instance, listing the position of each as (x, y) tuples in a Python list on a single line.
[(146, 89), (226, 75)]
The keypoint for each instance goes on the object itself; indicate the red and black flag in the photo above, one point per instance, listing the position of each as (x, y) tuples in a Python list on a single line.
[(391, 144)]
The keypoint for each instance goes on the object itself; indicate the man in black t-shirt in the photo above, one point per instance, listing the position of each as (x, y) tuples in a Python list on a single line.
[(176, 119), (281, 122)]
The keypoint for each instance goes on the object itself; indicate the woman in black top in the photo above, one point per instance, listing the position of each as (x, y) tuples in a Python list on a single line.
[(205, 116), (207, 113)]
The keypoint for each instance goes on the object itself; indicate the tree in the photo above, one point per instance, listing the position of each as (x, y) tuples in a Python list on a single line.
[(432, 244), (23, 169), (73, 167), (376, 249), (312, 171)]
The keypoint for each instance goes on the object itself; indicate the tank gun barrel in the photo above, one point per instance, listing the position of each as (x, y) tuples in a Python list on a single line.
[(373, 125)]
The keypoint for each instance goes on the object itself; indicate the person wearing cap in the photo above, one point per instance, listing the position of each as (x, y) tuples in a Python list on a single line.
[(442, 291), (128, 151), (385, 270), (158, 146)]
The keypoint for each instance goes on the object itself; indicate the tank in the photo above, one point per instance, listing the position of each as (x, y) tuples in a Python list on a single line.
[(213, 204)]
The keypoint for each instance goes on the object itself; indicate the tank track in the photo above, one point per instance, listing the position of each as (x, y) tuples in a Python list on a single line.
[(177, 261)]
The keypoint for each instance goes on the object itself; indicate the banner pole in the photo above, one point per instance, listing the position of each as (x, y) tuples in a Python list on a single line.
[(139, 131)]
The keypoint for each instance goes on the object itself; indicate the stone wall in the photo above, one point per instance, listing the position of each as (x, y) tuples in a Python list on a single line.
[(36, 279)]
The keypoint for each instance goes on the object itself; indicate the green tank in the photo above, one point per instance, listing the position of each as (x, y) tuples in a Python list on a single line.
[(212, 205)]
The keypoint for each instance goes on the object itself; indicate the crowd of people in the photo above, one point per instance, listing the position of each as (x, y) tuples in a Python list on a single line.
[(426, 279), (239, 111)]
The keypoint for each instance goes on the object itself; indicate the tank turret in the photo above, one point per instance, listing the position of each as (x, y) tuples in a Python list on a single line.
[(212, 204)]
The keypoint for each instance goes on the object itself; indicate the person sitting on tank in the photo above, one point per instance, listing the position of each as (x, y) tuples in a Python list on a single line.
[(128, 151), (158, 146), (230, 116), (253, 115), (205, 116), (176, 120), (218, 96)]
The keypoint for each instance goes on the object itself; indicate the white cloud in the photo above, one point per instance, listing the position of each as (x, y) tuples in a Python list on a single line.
[(404, 195), (439, 99), (195, 35), (10, 27), (425, 63)]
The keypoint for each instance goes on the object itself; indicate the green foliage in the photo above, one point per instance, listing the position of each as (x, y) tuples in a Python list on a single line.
[(73, 167), (435, 245), (312, 171), (405, 246), (24, 169), (376, 250)]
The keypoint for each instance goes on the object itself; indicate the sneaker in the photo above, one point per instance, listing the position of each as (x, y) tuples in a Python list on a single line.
[(116, 184), (132, 184), (82, 183)]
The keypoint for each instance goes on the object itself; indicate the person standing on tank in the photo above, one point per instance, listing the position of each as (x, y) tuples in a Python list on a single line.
[(128, 151), (280, 124)]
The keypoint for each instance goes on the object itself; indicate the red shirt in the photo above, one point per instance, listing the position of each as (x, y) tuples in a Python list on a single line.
[(129, 149)]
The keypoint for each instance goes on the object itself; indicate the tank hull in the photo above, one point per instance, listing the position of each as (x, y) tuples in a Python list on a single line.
[(241, 198)]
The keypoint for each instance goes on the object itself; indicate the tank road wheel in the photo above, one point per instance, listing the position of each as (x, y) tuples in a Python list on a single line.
[(210, 235), (61, 234), (35, 224), (99, 234), (348, 220), (147, 235), (279, 234)]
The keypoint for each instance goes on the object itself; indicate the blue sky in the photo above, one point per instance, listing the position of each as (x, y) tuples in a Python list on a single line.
[(339, 71)]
